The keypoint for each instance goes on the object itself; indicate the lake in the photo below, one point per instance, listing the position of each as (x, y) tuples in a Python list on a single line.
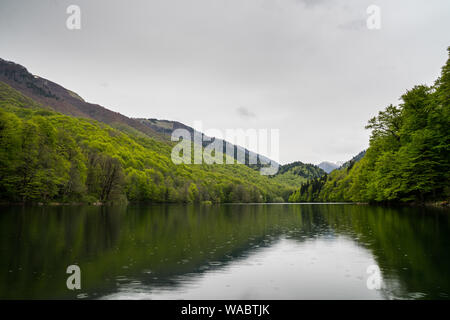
[(248, 251)]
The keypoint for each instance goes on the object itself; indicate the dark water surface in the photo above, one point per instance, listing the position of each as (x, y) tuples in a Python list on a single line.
[(272, 251)]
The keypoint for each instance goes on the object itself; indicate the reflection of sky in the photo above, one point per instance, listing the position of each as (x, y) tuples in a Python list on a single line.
[(333, 268)]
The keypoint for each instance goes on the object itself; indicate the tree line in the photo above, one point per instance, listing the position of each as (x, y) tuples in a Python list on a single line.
[(408, 155)]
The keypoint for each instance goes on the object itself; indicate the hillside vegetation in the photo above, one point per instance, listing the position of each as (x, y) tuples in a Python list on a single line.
[(408, 157), (49, 157), (296, 173)]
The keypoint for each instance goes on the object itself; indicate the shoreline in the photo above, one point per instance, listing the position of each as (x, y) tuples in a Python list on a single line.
[(444, 204)]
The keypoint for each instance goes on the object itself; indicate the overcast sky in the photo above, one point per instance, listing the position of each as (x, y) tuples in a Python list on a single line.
[(310, 68)]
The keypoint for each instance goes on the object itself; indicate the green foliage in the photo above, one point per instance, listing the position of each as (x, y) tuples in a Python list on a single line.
[(49, 157), (408, 157), (296, 173)]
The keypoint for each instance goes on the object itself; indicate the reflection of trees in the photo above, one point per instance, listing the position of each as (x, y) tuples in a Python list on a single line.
[(39, 243), (411, 245), (172, 240)]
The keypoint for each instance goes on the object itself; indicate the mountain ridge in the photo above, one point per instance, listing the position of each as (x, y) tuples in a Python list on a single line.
[(44, 93), (63, 100), (328, 166), (49, 157), (68, 102)]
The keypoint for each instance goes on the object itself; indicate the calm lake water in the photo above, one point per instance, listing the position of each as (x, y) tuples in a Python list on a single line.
[(270, 251)]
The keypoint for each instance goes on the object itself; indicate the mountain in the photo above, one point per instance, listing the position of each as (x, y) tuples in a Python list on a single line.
[(352, 161), (59, 99), (166, 127), (311, 190), (49, 157), (55, 147), (328, 166), (298, 172)]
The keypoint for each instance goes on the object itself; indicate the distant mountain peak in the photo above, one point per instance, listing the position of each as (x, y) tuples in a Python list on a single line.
[(328, 166)]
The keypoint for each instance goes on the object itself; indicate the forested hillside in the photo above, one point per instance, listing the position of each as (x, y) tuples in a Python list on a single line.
[(60, 99), (57, 98), (297, 172), (49, 157), (46, 156), (353, 160), (408, 157)]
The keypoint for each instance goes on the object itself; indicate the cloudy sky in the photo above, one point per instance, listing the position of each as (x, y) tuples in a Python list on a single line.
[(310, 68)]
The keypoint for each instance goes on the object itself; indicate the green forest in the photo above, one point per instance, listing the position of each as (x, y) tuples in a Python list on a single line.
[(408, 155), (49, 157)]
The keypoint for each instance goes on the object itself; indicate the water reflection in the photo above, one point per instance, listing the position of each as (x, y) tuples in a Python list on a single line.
[(318, 269), (228, 251)]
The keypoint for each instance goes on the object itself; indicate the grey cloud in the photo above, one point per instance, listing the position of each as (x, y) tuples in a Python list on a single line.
[(306, 67), (245, 113), (311, 3), (357, 24)]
